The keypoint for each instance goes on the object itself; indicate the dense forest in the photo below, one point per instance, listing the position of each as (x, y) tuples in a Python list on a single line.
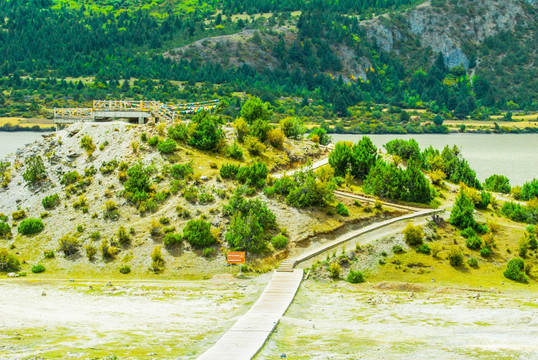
[(49, 46)]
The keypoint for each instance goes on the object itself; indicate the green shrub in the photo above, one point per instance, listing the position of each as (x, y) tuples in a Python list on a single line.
[(49, 254), (125, 269), (472, 262), (485, 252), (166, 147), (413, 234), (424, 249), (355, 277), (254, 146), (108, 167), (179, 171), (172, 239), (157, 263), (144, 137), (5, 230), (253, 175), (462, 212), (30, 226), (71, 177), (86, 142), (208, 252), (36, 269), (474, 242), (68, 244), (334, 270), (468, 232), (35, 170), (455, 256), (161, 196), (397, 249), (279, 241), (207, 132), (514, 270), (198, 234), (179, 132), (191, 194), (95, 235), (123, 236), (235, 152), (153, 141), (8, 262), (17, 215), (229, 171), (206, 198), (50, 202), (91, 251), (342, 209)]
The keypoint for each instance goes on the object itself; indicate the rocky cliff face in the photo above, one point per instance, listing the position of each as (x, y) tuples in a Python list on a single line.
[(445, 26)]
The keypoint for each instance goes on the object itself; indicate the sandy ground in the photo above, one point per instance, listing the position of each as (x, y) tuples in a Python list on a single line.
[(344, 321), (128, 320)]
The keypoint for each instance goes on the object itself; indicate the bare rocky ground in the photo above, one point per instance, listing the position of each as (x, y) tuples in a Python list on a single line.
[(405, 321), (130, 320)]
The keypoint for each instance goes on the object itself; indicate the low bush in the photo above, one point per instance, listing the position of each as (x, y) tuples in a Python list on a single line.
[(125, 269), (30, 226), (108, 251), (279, 241), (334, 270), (472, 262), (95, 235), (68, 244), (49, 254), (455, 256), (413, 234), (17, 215), (206, 198), (71, 177), (5, 230), (108, 167), (91, 251), (153, 141), (123, 236), (515, 270), (191, 194), (473, 242), (342, 209), (87, 144), (235, 152), (208, 252), (276, 138), (167, 147), (36, 269), (397, 249), (253, 175), (485, 252), (468, 232), (8, 262), (355, 277), (180, 171), (171, 239), (198, 234), (424, 249), (50, 202), (229, 171), (157, 263), (254, 146), (179, 132)]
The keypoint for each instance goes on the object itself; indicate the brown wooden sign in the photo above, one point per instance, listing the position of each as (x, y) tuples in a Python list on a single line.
[(235, 257)]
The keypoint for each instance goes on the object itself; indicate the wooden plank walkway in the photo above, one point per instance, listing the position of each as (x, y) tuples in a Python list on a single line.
[(290, 263), (250, 332)]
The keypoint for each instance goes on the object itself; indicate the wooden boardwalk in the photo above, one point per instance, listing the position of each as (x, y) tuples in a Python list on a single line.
[(250, 332)]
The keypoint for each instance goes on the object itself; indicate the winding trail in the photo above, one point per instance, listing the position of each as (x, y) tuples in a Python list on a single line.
[(247, 336)]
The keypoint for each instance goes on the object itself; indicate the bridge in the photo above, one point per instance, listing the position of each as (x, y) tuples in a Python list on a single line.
[(138, 111)]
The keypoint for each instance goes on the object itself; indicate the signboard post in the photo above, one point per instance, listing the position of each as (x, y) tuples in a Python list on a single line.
[(235, 257)]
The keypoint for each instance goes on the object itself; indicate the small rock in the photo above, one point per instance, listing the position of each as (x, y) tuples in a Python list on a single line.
[(12, 275), (203, 177), (90, 287), (109, 284), (43, 294), (151, 354), (283, 356)]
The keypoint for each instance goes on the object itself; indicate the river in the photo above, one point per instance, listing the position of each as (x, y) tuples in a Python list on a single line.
[(11, 141), (512, 155)]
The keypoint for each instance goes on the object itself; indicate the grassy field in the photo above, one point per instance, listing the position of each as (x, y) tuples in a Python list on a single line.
[(42, 123)]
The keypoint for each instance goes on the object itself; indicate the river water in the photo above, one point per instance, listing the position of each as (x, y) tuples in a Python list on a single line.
[(11, 141), (512, 155)]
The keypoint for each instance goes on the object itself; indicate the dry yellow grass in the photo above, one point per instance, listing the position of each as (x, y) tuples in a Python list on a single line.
[(43, 123), (491, 124)]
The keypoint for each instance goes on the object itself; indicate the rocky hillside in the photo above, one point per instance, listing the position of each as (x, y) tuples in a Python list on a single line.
[(91, 207)]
